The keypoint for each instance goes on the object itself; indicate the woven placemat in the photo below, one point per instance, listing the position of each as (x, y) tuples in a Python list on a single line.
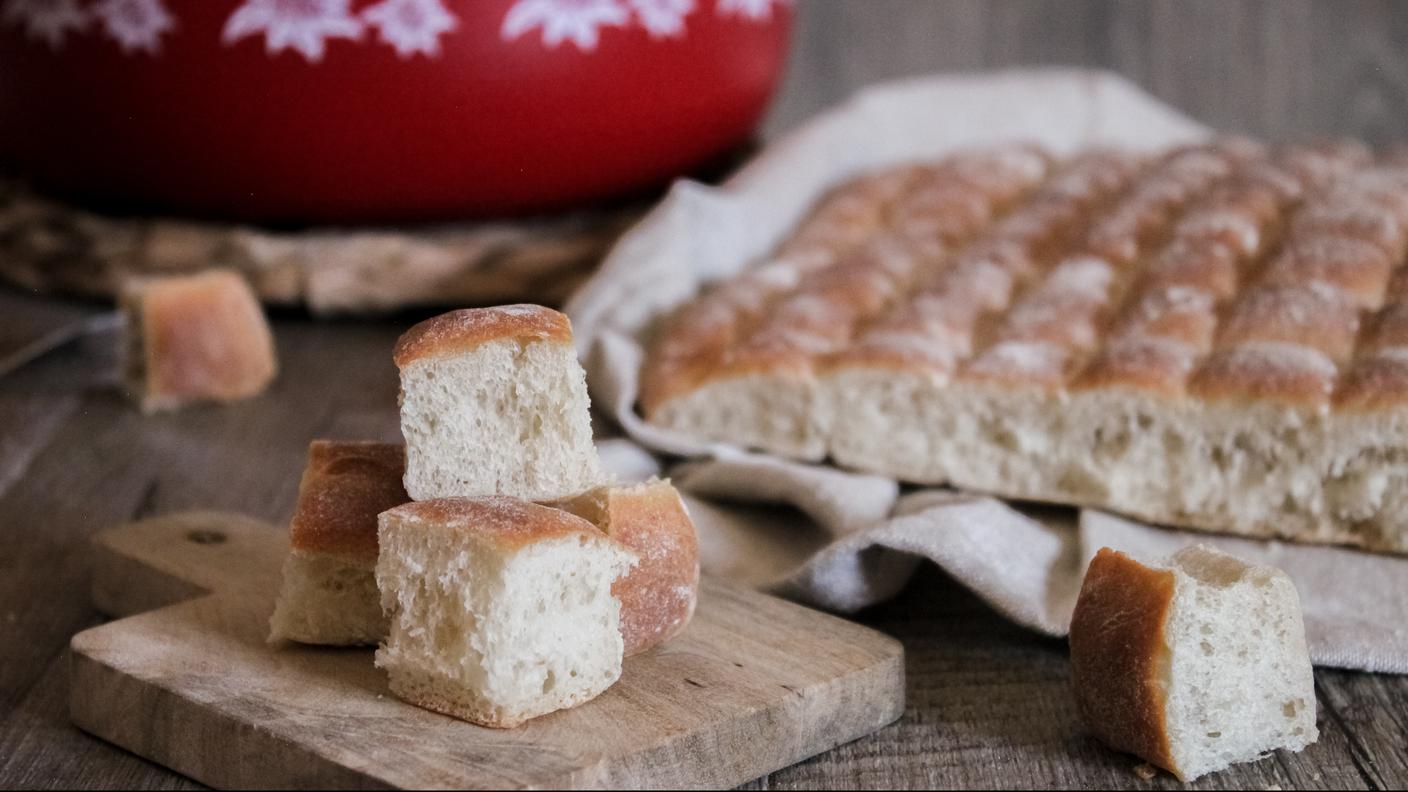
[(51, 246)]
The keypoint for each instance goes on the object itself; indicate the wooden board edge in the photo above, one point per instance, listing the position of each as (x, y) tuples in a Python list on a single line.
[(125, 586), (135, 713), (842, 721), (207, 742), (137, 569), (140, 715)]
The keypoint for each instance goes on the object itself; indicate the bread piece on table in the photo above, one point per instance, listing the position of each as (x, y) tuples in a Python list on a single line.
[(1212, 338), (659, 595), (501, 610), (195, 338), (329, 593), (494, 402), (1193, 665)]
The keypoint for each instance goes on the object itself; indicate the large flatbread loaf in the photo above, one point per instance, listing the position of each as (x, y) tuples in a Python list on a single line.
[(1214, 337)]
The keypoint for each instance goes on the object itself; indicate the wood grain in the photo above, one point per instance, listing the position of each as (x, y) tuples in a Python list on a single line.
[(1272, 68), (988, 704), (753, 685)]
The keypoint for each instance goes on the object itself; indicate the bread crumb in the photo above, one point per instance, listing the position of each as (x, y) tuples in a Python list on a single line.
[(1145, 771)]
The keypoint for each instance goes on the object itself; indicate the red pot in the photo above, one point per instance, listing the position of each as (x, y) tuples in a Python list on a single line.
[(376, 110)]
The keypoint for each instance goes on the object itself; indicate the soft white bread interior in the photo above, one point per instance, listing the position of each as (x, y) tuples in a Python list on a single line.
[(1193, 665), (329, 593), (494, 402), (195, 338), (659, 594), (501, 610), (328, 599)]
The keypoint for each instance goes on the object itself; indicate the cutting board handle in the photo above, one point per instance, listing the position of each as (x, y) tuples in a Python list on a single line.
[(160, 561)]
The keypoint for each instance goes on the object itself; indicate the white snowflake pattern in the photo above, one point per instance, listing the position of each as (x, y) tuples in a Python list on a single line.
[(756, 10), (411, 26), (564, 20), (50, 20), (302, 25), (662, 18), (135, 24)]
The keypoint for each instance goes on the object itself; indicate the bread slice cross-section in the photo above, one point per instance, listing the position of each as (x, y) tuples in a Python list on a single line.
[(501, 610), (1193, 665)]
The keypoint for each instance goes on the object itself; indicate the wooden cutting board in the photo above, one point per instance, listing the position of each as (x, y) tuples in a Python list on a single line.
[(755, 684)]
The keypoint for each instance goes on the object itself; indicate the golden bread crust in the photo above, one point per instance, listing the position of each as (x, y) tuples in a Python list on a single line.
[(1119, 656), (1225, 248), (838, 271), (460, 331), (345, 485), (508, 522)]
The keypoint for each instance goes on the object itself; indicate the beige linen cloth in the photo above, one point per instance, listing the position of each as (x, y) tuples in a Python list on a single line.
[(843, 540)]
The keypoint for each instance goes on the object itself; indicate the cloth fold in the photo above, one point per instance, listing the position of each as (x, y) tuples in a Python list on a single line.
[(843, 540)]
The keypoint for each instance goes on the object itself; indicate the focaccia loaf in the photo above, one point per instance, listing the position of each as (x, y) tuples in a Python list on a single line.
[(1214, 337)]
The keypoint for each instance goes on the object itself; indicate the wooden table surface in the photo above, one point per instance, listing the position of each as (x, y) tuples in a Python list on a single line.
[(988, 704)]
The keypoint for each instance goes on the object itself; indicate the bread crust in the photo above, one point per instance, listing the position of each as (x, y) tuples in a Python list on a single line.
[(659, 595), (1376, 383), (460, 331), (1119, 656), (197, 337), (345, 485), (508, 522)]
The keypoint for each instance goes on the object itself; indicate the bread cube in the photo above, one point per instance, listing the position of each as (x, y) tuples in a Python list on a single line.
[(494, 402), (195, 338), (329, 593), (501, 610), (1194, 664)]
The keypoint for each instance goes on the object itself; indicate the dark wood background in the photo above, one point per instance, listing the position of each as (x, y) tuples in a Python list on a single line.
[(1273, 68), (987, 702)]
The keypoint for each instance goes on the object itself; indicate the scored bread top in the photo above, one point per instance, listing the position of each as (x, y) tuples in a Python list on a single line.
[(344, 487), (1226, 271), (460, 331), (508, 522), (659, 595), (1119, 656)]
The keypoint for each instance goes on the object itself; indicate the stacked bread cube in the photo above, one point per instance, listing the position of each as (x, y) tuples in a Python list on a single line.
[(510, 580)]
